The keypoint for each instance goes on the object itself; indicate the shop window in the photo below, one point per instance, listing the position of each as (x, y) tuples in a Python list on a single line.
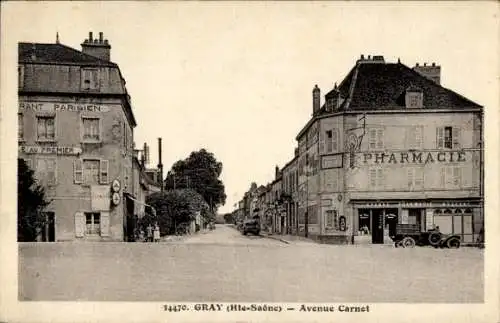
[(46, 128), (444, 221), (376, 138), (448, 137), (364, 222), (91, 129), (92, 224)]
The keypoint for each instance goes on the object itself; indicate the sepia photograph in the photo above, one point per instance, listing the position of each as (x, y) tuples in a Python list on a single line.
[(249, 161)]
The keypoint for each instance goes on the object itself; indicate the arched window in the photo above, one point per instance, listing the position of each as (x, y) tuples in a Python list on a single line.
[(437, 212), (447, 211)]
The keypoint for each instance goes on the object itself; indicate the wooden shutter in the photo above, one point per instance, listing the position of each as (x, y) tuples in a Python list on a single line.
[(322, 142), (335, 140), (380, 138), (410, 175), (443, 177), (103, 173), (78, 171), (440, 137), (79, 224), (456, 137), (105, 224), (456, 176)]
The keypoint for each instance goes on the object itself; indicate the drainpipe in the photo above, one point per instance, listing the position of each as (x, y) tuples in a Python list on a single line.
[(160, 165)]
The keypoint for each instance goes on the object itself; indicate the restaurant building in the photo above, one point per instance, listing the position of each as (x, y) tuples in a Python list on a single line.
[(76, 132), (390, 145)]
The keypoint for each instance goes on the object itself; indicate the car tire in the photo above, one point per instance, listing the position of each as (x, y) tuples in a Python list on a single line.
[(408, 242), (453, 243)]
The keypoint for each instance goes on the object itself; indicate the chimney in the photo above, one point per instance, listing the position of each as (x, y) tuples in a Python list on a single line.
[(99, 48), (296, 151), (431, 72), (276, 171), (316, 99)]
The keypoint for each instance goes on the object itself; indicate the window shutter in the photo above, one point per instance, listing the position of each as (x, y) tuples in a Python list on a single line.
[(78, 171), (322, 142), (456, 134), (442, 177), (79, 224), (440, 137), (419, 177), (456, 176), (51, 171), (335, 140), (380, 138), (409, 174), (103, 175), (105, 224)]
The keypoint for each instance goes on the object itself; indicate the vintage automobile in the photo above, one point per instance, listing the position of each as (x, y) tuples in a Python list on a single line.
[(251, 226), (410, 235)]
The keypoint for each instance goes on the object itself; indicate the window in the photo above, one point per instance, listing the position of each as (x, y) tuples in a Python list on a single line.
[(46, 171), (20, 75), (451, 176), (376, 137), (332, 220), (92, 223), (414, 137), (46, 128), (91, 172), (90, 79), (20, 126), (91, 129), (448, 137), (415, 178), (331, 140), (376, 177)]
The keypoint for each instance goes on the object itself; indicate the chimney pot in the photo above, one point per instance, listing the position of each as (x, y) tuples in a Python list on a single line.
[(433, 64), (425, 64), (362, 56), (90, 36), (100, 37), (417, 65), (369, 56)]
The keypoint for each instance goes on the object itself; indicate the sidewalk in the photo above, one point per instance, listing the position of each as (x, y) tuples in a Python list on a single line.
[(287, 238)]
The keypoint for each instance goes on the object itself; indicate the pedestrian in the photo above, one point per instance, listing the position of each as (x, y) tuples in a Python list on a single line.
[(156, 233), (149, 231)]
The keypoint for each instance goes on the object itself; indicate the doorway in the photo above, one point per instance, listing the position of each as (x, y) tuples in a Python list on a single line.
[(49, 230), (377, 226)]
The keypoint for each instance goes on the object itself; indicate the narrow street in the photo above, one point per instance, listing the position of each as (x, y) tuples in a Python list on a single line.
[(225, 266)]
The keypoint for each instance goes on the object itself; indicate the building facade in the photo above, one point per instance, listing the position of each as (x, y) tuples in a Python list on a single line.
[(76, 132), (390, 145)]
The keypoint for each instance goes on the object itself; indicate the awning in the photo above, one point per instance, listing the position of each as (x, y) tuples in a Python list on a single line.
[(131, 197)]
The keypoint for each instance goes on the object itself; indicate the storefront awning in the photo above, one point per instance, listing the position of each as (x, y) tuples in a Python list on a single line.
[(131, 197)]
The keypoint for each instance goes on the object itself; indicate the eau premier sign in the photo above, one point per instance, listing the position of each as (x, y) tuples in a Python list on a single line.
[(57, 106), (50, 150), (414, 157)]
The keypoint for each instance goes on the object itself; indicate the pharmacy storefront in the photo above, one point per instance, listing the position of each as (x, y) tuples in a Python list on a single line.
[(375, 221)]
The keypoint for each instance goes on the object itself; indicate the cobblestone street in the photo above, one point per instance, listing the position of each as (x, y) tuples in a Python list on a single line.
[(224, 265)]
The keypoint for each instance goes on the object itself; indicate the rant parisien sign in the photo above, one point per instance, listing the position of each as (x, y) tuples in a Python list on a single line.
[(414, 157)]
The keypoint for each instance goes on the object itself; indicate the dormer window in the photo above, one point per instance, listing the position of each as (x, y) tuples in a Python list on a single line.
[(414, 98), (90, 79)]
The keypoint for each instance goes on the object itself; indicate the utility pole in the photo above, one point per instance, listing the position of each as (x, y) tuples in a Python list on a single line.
[(160, 165)]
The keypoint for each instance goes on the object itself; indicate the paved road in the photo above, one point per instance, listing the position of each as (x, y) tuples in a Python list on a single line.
[(225, 266)]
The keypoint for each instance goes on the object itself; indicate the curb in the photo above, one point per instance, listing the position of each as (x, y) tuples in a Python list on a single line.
[(274, 238)]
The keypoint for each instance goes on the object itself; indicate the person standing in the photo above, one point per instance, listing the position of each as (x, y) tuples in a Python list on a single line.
[(149, 232), (156, 233)]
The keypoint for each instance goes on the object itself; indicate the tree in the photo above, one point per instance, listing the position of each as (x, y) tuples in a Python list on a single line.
[(31, 202), (174, 209), (200, 172)]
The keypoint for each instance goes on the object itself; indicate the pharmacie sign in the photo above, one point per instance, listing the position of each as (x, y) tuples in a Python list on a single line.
[(57, 106), (414, 157), (50, 150)]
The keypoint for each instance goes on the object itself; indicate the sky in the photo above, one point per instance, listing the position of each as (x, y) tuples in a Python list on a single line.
[(236, 78)]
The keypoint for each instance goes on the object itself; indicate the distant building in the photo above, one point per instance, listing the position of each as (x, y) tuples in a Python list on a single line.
[(76, 132), (390, 145)]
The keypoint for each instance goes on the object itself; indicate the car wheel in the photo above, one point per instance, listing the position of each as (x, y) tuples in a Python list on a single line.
[(408, 242), (434, 238), (453, 243)]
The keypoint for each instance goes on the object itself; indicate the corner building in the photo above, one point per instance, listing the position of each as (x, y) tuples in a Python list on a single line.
[(390, 145), (76, 132)]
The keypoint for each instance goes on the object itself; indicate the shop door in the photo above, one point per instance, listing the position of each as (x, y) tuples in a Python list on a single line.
[(377, 226)]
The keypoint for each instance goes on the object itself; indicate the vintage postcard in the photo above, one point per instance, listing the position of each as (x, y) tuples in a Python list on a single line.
[(249, 161)]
